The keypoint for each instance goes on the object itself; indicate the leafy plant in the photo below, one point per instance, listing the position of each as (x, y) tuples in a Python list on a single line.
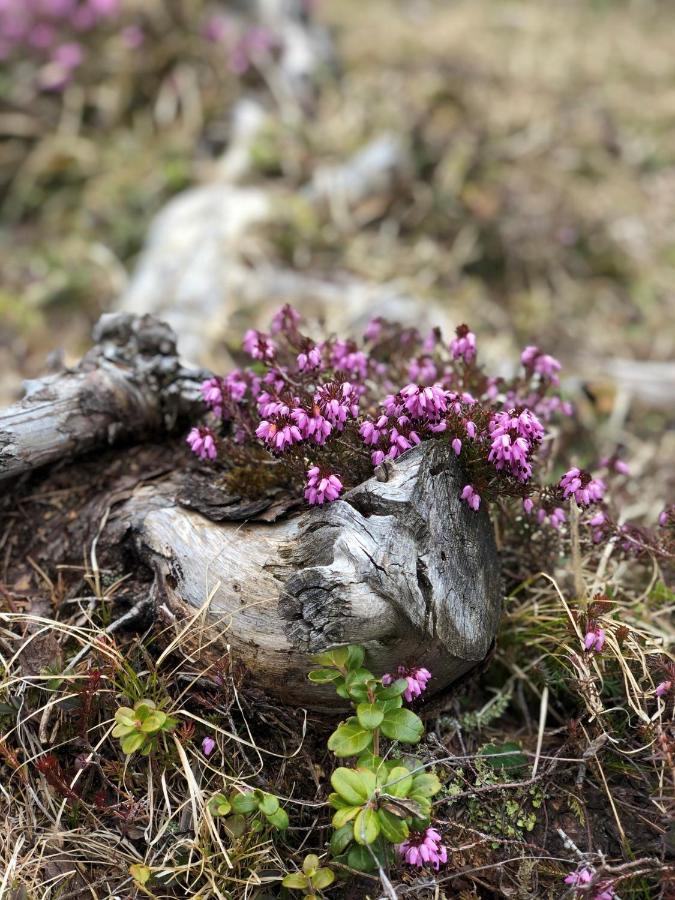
[(266, 808), (313, 878), (379, 801), (139, 728)]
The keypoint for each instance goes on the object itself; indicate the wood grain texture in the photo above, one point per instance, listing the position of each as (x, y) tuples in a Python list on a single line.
[(400, 565)]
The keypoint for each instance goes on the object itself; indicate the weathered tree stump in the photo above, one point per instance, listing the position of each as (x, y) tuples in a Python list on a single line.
[(399, 564)]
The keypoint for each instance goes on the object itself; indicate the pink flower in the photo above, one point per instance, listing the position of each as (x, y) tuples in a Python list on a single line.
[(133, 36), (202, 443), (422, 847), (581, 876), (286, 319), (309, 359), (606, 892), (464, 345), (471, 496), (416, 678), (579, 484), (320, 486), (422, 369), (279, 434), (371, 432), (457, 446), (345, 357), (536, 361), (663, 688), (594, 639), (423, 402), (528, 505), (373, 330), (337, 400), (667, 516), (377, 457), (312, 424), (208, 745), (258, 345)]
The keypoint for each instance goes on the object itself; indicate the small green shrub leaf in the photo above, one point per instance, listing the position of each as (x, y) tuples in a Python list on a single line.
[(402, 725)]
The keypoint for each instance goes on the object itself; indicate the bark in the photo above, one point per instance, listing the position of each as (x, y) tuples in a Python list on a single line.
[(130, 384), (400, 565)]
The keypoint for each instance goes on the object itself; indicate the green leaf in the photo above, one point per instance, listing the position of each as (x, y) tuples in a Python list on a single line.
[(235, 826), (370, 714), (310, 864), (399, 782), (243, 803), (296, 881), (402, 725), (219, 805), (350, 785), (268, 804), (132, 742), (393, 828), (342, 816), (337, 802), (366, 827), (335, 657), (324, 877), (341, 691), (358, 677), (359, 858), (355, 657), (350, 738), (395, 689), (392, 703), (123, 730), (279, 819), (503, 756), (153, 722), (341, 839), (426, 784), (324, 676)]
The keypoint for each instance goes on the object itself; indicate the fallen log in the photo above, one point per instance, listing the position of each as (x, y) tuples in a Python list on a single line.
[(399, 564)]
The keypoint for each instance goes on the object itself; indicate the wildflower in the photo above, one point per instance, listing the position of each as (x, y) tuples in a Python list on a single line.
[(371, 432), (377, 457), (555, 517), (464, 345), (422, 369), (541, 363), (336, 401), (312, 424), (208, 745), (423, 402), (422, 847), (416, 677), (457, 446), (667, 516), (663, 688), (606, 892), (373, 329), (471, 496), (594, 639), (528, 505), (320, 487), (212, 392), (202, 443), (579, 484), (286, 319), (581, 876), (258, 345), (279, 434), (309, 359), (347, 358)]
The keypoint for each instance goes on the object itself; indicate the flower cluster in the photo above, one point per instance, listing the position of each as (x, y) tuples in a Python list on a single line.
[(50, 31), (424, 848), (323, 413), (416, 677), (584, 876)]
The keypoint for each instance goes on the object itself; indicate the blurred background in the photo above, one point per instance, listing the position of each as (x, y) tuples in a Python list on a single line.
[(506, 164)]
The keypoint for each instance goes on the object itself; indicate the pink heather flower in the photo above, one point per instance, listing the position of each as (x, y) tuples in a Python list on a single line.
[(133, 36), (208, 745), (581, 876), (457, 446), (309, 359), (280, 434), (312, 424), (422, 369), (202, 443), (595, 639), (663, 688), (541, 363), (216, 28), (258, 345), (320, 487), (337, 401), (423, 402), (606, 892), (579, 484), (554, 518), (528, 505), (667, 516), (422, 848), (68, 56), (471, 496), (286, 319), (470, 429), (377, 457), (464, 345), (373, 330), (212, 392), (402, 437), (105, 8), (371, 432), (347, 358)]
